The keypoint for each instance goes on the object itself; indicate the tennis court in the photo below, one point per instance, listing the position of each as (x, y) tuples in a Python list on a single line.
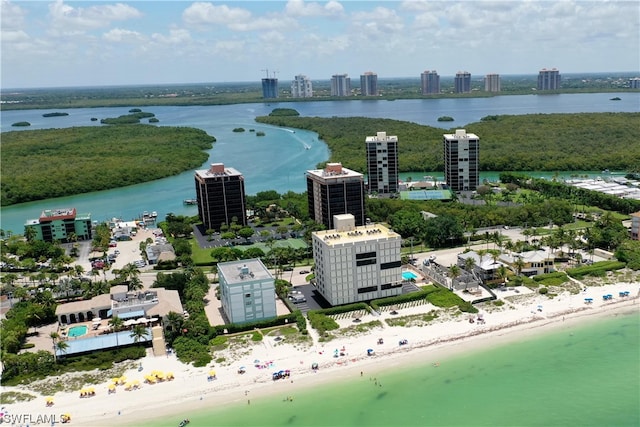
[(426, 195)]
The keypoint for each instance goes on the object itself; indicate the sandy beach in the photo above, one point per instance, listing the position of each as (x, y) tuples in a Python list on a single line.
[(441, 338)]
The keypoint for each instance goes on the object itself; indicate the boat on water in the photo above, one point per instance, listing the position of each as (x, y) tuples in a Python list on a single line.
[(190, 201)]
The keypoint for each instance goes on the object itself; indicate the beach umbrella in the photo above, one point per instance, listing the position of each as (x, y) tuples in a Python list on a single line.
[(130, 322), (169, 375), (112, 387), (97, 320), (212, 373)]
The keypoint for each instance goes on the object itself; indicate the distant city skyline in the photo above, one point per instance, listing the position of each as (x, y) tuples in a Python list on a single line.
[(90, 43)]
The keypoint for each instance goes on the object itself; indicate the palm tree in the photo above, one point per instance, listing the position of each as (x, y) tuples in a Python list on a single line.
[(470, 263), (139, 332), (116, 323), (173, 321), (501, 272), (519, 264), (61, 346), (54, 336), (454, 272)]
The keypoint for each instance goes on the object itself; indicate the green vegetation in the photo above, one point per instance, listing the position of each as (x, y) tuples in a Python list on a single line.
[(260, 133), (127, 119), (56, 114), (284, 112), (551, 279), (321, 322), (21, 124), (597, 269), (629, 252), (238, 129), (543, 142), (10, 397), (445, 119), (43, 164), (445, 298), (29, 366)]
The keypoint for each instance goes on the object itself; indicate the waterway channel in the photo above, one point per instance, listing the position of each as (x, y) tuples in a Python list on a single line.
[(279, 160)]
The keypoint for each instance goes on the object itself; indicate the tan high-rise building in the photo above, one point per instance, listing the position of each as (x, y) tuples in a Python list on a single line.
[(492, 83)]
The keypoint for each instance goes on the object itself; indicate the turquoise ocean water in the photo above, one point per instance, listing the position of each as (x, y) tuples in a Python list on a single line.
[(586, 375)]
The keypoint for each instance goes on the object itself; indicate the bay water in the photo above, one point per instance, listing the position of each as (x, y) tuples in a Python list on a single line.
[(584, 375), (278, 160)]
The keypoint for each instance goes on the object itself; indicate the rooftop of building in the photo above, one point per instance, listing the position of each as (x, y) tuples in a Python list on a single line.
[(245, 270), (351, 234), (165, 300), (460, 134), (217, 170), (57, 214), (382, 137), (334, 170)]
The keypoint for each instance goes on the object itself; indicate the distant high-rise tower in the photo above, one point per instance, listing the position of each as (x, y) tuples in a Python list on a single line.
[(301, 87), (335, 190), (430, 82), (369, 84), (549, 79), (340, 85), (269, 88), (634, 83), (492, 83), (220, 195), (462, 82), (382, 163), (461, 160)]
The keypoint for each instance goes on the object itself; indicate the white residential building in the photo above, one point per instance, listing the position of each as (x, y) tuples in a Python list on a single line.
[(461, 160), (356, 263), (247, 291), (301, 87), (382, 163)]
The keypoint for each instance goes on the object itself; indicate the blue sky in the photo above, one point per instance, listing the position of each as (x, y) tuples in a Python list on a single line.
[(93, 43)]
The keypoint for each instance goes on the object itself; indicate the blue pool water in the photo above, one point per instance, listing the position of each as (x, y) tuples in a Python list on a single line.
[(408, 275), (77, 331)]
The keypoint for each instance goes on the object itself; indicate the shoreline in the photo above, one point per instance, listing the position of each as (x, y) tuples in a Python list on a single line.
[(191, 393)]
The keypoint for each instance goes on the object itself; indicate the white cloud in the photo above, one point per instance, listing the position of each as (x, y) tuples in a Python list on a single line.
[(118, 35), (204, 14), (175, 37), (18, 36), (298, 8), (67, 19), (12, 16)]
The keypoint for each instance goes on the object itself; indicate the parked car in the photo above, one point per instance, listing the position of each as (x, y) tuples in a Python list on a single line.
[(304, 271)]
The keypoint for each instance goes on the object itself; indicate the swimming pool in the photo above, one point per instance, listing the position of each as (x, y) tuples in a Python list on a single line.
[(77, 331), (409, 275)]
